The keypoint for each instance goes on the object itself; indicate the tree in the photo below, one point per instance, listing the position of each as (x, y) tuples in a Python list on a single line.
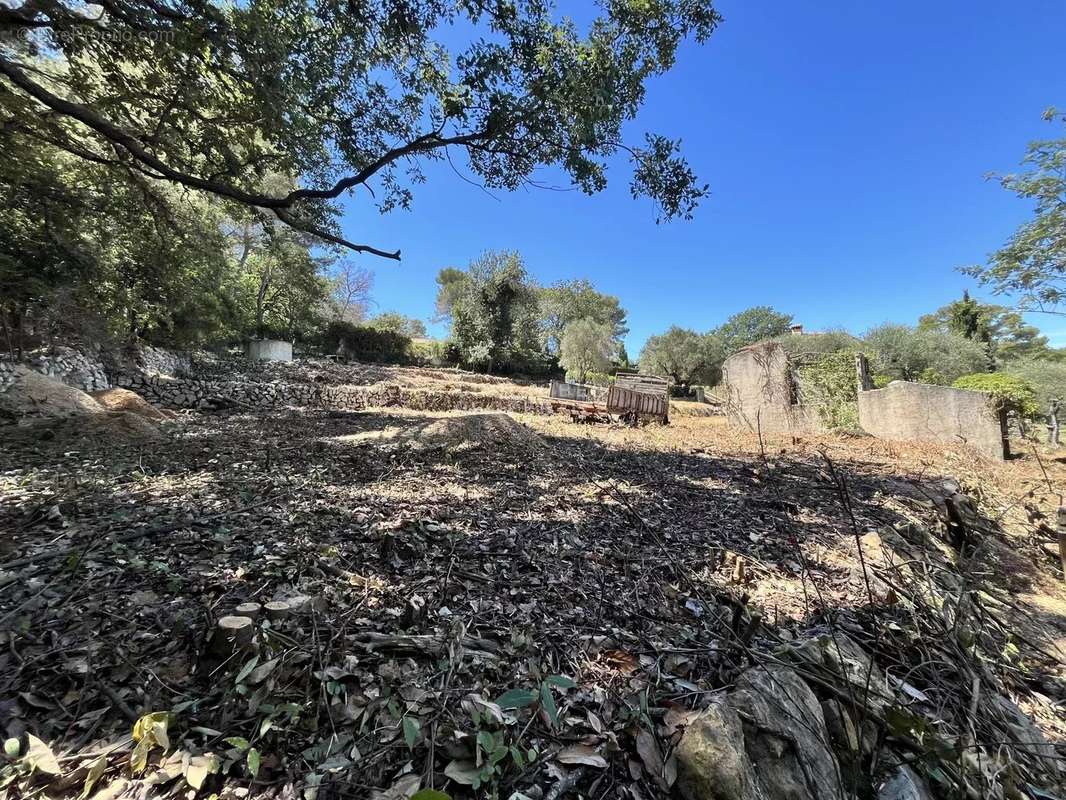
[(1004, 332), (586, 346), (286, 282), (85, 245), (1032, 264), (566, 302), (398, 323), (450, 283), (350, 296), (753, 325), (685, 356), (928, 356), (494, 317), (1048, 378), (210, 96)]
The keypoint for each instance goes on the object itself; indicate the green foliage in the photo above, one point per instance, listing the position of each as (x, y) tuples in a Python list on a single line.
[(684, 356), (1047, 378), (930, 356), (366, 344), (599, 379), (494, 316), (1032, 264), (827, 384), (398, 323), (434, 353), (85, 251), (752, 325), (807, 344), (213, 96), (566, 302), (587, 347), (1004, 333), (450, 284), (497, 737), (1008, 392)]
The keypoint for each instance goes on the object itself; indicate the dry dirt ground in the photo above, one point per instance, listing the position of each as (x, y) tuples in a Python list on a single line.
[(450, 559)]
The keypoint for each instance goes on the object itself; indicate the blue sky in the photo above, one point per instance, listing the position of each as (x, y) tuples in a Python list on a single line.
[(845, 144)]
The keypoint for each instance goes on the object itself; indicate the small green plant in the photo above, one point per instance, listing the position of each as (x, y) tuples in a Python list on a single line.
[(498, 741), (1009, 393)]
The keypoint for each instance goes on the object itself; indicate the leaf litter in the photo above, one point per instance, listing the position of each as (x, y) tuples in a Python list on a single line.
[(480, 609)]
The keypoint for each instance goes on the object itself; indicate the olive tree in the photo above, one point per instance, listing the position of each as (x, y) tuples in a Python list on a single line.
[(587, 346), (683, 355), (929, 356)]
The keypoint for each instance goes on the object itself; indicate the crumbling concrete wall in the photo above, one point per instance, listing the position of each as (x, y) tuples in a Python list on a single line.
[(926, 413), (270, 350), (760, 391)]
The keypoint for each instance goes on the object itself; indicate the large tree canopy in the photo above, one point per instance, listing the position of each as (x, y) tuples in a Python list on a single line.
[(755, 324), (1004, 332), (685, 356), (566, 302), (1032, 264), (345, 96)]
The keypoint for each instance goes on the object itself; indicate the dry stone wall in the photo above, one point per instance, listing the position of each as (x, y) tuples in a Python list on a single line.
[(204, 394), (165, 379), (81, 370)]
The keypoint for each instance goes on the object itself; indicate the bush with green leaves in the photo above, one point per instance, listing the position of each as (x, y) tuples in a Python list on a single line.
[(434, 353), (363, 343), (828, 385), (1047, 378), (834, 341), (1008, 392)]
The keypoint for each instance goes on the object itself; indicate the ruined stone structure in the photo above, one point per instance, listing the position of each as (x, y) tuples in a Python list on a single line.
[(922, 412), (761, 393)]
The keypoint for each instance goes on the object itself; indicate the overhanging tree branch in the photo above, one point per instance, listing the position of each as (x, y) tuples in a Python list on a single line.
[(279, 205)]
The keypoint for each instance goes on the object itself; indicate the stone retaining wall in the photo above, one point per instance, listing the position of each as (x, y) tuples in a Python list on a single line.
[(75, 368), (200, 394), (91, 369)]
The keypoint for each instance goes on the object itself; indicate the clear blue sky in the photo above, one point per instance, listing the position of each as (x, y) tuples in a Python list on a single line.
[(845, 144)]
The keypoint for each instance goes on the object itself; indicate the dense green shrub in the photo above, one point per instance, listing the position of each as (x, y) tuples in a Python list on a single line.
[(599, 379), (434, 353), (1008, 392), (828, 385), (1048, 378), (362, 343), (906, 353)]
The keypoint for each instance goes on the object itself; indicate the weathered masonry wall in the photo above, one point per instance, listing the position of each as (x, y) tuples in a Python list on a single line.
[(925, 413), (270, 350), (760, 393)]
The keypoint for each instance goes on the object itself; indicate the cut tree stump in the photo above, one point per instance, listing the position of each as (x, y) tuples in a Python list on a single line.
[(232, 634), (250, 610), (277, 610)]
